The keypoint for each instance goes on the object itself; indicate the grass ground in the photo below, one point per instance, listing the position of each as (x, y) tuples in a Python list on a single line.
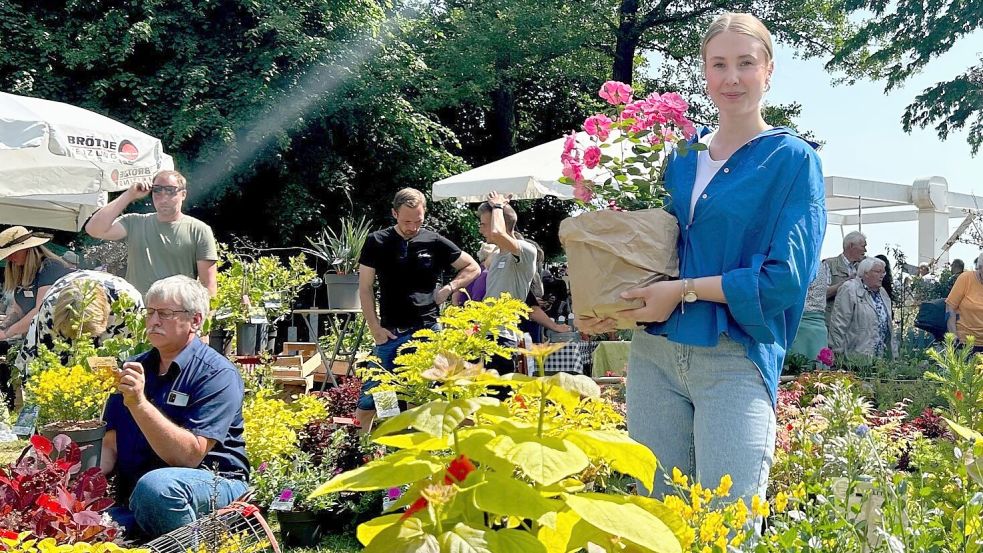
[(331, 544), (10, 451)]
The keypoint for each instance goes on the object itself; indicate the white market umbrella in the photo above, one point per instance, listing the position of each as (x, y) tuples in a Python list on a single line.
[(58, 162), (527, 175)]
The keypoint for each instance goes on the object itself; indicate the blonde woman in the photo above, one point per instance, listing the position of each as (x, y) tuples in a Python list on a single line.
[(752, 216), (78, 303), (30, 271)]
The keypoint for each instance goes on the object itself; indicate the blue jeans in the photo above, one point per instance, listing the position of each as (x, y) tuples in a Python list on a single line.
[(703, 410), (169, 498), (386, 353)]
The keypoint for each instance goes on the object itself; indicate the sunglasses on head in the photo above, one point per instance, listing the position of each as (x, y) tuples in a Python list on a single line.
[(24, 238), (165, 190)]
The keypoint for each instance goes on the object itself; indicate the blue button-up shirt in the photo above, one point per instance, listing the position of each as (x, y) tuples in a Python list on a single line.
[(760, 224), (202, 392)]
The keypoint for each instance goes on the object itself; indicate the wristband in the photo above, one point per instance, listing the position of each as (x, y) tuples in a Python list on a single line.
[(497, 206)]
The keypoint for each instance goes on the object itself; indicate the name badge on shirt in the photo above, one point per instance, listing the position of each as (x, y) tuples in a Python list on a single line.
[(28, 293), (177, 399), (501, 264)]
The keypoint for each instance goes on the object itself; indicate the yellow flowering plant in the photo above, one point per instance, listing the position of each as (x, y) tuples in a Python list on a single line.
[(70, 394), (271, 424), (11, 542)]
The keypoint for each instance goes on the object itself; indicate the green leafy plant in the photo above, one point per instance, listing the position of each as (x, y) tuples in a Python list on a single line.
[(960, 379), (257, 287), (483, 477), (469, 332), (343, 248)]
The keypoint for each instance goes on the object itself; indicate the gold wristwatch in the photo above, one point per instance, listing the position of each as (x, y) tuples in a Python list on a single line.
[(689, 292)]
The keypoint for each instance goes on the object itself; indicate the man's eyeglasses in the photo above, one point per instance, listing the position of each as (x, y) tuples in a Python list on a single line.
[(165, 190), (164, 314)]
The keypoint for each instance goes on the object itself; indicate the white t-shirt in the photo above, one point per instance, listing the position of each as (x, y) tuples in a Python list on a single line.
[(706, 168)]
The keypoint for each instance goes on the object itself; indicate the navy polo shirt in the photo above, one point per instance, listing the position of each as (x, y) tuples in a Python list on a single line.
[(202, 392)]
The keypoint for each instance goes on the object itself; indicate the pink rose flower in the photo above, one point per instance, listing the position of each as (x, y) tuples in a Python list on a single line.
[(825, 357), (615, 92), (592, 156), (573, 170), (598, 125), (583, 192), (689, 131), (675, 103), (570, 152)]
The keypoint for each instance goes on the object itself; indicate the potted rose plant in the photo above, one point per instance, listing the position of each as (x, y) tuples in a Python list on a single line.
[(618, 163)]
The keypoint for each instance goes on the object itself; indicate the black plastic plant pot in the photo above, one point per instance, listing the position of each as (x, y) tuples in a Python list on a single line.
[(300, 528)]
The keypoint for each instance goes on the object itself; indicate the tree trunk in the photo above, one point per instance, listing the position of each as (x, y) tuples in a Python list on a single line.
[(626, 42), (502, 122)]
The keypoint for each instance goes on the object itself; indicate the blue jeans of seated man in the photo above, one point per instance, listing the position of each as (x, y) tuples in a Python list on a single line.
[(387, 359), (704, 410), (169, 498)]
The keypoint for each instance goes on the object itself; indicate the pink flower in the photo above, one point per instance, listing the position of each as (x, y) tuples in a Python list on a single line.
[(675, 103), (689, 131), (592, 156), (286, 494), (615, 92), (599, 126), (825, 357), (573, 170), (583, 192), (570, 152)]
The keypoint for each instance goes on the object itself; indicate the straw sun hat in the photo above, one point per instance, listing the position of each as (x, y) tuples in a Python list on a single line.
[(15, 239)]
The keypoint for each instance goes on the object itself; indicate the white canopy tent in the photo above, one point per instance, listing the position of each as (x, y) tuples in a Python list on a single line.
[(58, 162), (527, 175)]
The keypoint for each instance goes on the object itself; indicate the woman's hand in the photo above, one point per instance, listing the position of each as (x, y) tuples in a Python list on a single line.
[(661, 299)]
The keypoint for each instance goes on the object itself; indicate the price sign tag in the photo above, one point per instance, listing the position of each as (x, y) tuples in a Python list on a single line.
[(386, 404), (26, 421)]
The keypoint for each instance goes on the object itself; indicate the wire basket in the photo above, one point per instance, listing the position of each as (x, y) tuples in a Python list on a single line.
[(237, 528)]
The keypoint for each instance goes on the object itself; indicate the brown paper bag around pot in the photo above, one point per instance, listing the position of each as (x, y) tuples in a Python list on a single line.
[(609, 252)]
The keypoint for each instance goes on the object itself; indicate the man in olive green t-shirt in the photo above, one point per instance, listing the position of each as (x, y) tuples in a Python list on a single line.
[(160, 244)]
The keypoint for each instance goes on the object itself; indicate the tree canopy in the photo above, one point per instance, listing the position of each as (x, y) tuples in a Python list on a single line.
[(901, 38)]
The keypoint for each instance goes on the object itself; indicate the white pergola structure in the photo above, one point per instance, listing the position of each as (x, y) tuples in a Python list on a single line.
[(858, 202)]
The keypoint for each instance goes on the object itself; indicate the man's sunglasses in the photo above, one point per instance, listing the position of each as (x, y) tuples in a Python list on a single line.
[(165, 190)]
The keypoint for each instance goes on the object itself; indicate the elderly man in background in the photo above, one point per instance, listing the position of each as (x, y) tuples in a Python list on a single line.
[(861, 321), (175, 431), (844, 266)]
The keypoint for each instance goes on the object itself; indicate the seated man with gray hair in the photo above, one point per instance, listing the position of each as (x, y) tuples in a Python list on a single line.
[(862, 322), (175, 430)]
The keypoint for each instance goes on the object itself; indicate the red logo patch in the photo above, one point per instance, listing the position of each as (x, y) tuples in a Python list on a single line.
[(128, 151)]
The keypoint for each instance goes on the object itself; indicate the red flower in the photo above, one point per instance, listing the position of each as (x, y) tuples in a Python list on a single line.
[(417, 506), (522, 402), (958, 395), (459, 469), (8, 535), (789, 427), (42, 444)]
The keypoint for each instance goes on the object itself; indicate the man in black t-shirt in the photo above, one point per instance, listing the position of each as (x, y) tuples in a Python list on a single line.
[(408, 260)]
